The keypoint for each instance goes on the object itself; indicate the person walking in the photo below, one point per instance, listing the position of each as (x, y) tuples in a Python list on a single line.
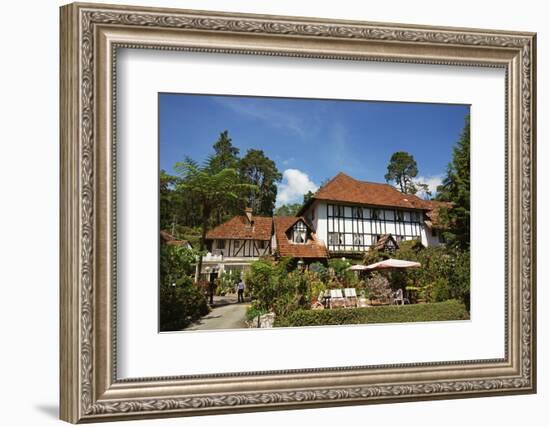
[(240, 291)]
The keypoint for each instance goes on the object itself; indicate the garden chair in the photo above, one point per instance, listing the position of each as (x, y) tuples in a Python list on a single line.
[(320, 303), (336, 298), (398, 298), (351, 297)]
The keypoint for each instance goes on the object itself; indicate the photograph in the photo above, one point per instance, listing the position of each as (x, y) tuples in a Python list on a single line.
[(290, 212)]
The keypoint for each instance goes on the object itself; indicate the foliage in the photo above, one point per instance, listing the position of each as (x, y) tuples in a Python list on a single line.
[(253, 311), (279, 288), (181, 206), (210, 190), (181, 304), (225, 154), (378, 287), (339, 275), (448, 310), (182, 232), (176, 262), (258, 170), (227, 282), (456, 189), (320, 269), (402, 169), (444, 273), (287, 210), (262, 282), (440, 290), (308, 196)]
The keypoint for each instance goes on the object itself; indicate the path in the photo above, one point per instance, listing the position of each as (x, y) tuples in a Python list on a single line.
[(230, 315)]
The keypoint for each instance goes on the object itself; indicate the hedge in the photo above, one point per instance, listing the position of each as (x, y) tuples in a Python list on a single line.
[(447, 310)]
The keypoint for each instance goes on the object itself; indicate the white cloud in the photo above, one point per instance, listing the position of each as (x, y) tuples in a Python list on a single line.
[(295, 184), (432, 181)]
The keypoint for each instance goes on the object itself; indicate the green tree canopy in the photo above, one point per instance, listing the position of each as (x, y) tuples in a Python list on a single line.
[(210, 190), (225, 154), (402, 170), (256, 169), (290, 209), (456, 189)]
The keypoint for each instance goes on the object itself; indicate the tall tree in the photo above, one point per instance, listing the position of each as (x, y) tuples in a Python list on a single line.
[(290, 209), (210, 190), (169, 200), (226, 155), (308, 196), (456, 189), (402, 170), (260, 171)]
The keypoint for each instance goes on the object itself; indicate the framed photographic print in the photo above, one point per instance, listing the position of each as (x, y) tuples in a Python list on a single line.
[(265, 212)]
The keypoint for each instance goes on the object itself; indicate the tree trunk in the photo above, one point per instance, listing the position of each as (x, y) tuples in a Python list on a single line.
[(204, 228)]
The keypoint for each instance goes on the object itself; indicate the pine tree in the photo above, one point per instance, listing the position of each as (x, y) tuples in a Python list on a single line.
[(456, 189)]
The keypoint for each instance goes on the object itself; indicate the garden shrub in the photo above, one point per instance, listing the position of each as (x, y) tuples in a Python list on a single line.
[(448, 310), (378, 287), (440, 290), (275, 289), (176, 262), (182, 303), (227, 282)]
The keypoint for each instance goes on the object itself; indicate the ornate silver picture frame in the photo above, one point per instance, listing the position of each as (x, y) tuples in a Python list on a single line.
[(91, 35)]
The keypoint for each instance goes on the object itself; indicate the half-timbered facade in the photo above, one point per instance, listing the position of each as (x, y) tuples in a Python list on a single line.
[(234, 244), (350, 216)]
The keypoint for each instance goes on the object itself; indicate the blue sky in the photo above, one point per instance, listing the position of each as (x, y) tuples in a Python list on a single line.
[(312, 140)]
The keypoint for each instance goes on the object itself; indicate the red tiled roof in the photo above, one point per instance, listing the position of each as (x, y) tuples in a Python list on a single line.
[(170, 240), (344, 188), (312, 249), (239, 227), (433, 214)]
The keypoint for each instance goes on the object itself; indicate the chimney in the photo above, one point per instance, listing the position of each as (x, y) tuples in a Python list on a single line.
[(248, 213)]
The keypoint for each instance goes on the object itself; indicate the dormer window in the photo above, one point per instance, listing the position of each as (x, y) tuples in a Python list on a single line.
[(299, 233)]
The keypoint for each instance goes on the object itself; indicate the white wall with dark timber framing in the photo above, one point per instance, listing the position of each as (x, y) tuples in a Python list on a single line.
[(355, 228), (241, 248)]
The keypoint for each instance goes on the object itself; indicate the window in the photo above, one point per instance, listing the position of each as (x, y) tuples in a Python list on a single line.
[(237, 245), (358, 240), (335, 239), (262, 244), (338, 210), (399, 215), (220, 244), (375, 214), (357, 213), (299, 233), (415, 216)]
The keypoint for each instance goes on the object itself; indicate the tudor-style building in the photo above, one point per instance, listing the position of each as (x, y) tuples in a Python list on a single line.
[(345, 217), (350, 216)]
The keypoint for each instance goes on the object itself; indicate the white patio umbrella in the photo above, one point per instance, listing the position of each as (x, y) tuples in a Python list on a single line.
[(392, 263), (358, 267)]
